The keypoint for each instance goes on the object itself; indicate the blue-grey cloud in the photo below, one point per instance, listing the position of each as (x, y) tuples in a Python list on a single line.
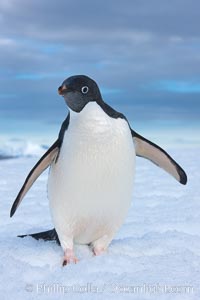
[(124, 46), (175, 86)]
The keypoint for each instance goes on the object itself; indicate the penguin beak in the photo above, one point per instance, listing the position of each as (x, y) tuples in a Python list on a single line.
[(62, 90)]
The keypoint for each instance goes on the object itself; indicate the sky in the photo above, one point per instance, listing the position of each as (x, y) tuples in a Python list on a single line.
[(144, 55)]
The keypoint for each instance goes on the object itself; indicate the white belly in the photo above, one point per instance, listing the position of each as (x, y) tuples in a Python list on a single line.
[(90, 186)]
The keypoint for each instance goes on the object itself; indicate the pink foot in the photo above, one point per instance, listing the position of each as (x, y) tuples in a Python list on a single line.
[(98, 251), (69, 257)]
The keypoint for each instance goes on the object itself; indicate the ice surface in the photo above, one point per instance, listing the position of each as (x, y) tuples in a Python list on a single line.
[(155, 253)]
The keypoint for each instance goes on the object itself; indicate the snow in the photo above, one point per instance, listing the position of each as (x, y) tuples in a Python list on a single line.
[(155, 255), (16, 147)]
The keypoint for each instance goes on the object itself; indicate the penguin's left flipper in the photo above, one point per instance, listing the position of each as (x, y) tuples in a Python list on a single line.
[(147, 149), (41, 165), (49, 235)]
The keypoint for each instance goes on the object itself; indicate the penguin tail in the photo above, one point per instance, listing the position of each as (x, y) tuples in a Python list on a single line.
[(49, 235)]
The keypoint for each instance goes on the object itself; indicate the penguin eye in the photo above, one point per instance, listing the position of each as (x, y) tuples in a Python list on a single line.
[(85, 89)]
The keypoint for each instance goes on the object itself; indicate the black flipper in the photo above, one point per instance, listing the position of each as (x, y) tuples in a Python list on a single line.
[(41, 165), (49, 235), (147, 149), (44, 162)]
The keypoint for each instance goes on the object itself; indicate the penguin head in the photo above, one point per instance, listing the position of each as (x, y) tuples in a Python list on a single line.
[(78, 91)]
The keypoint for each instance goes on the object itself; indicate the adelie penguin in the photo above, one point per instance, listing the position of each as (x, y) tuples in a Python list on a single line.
[(92, 166)]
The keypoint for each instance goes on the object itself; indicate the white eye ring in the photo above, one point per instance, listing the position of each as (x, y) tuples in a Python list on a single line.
[(85, 89)]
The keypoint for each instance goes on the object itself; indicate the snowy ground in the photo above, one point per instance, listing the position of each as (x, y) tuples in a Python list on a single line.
[(156, 254)]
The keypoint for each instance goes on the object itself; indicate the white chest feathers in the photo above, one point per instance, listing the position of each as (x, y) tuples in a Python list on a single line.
[(90, 186)]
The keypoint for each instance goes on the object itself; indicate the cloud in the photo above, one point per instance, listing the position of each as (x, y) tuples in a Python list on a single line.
[(38, 76), (55, 20), (6, 42), (176, 86), (124, 47)]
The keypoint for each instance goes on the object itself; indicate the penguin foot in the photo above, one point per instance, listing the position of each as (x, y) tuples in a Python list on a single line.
[(98, 251), (100, 246), (69, 257)]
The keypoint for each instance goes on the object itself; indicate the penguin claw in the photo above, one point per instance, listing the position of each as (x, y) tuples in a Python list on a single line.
[(64, 262), (69, 260), (69, 257)]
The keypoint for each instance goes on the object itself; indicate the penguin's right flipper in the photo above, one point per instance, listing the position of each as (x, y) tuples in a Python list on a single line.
[(49, 235), (41, 165)]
